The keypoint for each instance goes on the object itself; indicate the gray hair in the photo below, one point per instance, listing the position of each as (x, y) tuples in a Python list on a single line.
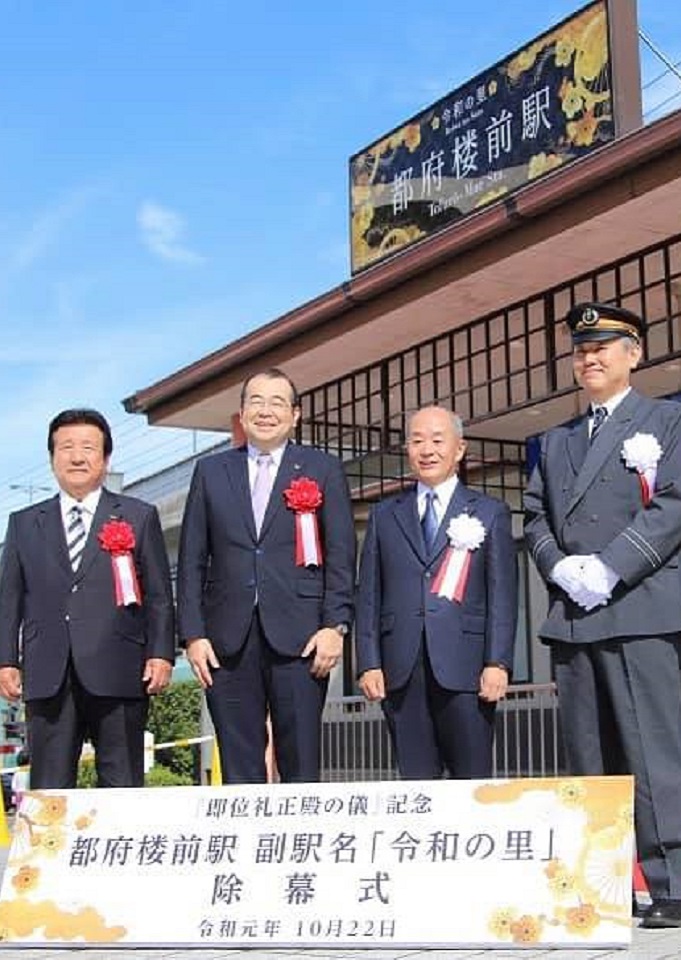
[(454, 418)]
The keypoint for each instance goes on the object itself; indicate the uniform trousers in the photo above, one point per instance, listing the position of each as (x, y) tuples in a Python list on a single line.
[(620, 712)]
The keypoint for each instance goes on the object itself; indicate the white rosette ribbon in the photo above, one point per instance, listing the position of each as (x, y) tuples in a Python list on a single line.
[(642, 453), (465, 534)]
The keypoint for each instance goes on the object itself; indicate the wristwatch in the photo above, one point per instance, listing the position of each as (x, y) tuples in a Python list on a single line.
[(342, 628)]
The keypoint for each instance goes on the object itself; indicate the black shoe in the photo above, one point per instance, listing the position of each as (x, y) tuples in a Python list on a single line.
[(638, 909), (662, 913)]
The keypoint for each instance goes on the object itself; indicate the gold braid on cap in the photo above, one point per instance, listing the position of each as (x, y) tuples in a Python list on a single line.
[(621, 327)]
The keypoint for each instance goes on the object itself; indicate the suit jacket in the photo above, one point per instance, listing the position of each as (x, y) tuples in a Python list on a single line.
[(396, 608), (48, 612), (223, 564), (583, 499)]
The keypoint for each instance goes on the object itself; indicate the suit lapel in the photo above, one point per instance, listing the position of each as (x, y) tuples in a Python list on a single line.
[(292, 465), (236, 468), (406, 514), (50, 520), (578, 444), (607, 444), (107, 508), (461, 502)]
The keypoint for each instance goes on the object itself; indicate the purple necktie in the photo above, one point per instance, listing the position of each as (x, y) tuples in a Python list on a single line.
[(262, 487)]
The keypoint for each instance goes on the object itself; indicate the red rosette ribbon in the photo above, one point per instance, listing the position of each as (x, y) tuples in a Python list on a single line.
[(304, 497), (118, 539)]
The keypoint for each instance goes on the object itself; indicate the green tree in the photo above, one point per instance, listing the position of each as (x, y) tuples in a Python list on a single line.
[(175, 714)]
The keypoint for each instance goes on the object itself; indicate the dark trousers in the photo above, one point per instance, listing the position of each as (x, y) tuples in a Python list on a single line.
[(59, 725), (620, 710), (434, 729), (248, 685)]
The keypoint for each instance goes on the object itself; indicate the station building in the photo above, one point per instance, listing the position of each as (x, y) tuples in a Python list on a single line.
[(469, 316)]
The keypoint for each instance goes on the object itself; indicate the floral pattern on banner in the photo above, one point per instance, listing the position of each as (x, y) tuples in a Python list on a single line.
[(39, 835), (595, 888)]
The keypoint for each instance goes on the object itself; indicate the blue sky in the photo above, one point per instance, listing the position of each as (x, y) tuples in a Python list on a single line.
[(173, 174)]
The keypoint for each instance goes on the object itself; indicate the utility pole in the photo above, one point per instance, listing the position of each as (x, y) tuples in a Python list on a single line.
[(30, 489)]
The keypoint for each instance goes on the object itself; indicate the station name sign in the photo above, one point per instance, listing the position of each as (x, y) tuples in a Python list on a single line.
[(544, 106)]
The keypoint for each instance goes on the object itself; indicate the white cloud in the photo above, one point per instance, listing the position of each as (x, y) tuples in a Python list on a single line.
[(45, 231), (162, 232)]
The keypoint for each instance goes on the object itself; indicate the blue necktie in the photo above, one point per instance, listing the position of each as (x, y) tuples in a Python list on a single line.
[(429, 521)]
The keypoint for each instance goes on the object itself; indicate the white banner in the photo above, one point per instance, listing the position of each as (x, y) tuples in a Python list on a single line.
[(415, 863)]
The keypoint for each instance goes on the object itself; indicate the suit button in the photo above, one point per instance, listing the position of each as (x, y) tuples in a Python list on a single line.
[(67, 618), (258, 551), (428, 574), (74, 588)]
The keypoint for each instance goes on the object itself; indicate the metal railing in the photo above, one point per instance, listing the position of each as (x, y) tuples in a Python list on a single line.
[(356, 745)]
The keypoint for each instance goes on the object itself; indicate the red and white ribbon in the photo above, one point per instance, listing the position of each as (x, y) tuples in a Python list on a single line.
[(642, 453), (647, 480), (452, 577), (465, 535), (308, 543), (125, 580)]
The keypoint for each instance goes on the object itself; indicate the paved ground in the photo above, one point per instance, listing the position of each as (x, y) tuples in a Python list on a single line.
[(646, 945)]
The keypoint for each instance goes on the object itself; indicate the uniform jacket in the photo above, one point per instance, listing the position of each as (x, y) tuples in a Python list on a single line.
[(396, 607), (48, 612), (583, 499), (223, 565)]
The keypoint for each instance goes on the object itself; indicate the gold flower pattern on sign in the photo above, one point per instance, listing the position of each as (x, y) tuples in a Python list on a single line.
[(596, 888), (40, 833), (579, 46), (576, 50)]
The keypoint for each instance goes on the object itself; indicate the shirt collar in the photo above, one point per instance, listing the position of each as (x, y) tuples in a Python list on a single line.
[(444, 491), (276, 454), (612, 404), (89, 502)]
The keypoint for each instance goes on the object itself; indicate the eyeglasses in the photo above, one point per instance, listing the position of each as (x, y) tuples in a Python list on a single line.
[(278, 404)]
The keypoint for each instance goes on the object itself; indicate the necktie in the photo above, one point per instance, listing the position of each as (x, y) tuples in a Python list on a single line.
[(262, 487), (598, 417), (75, 536), (429, 521)]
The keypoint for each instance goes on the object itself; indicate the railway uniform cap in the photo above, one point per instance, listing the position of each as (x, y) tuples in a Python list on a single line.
[(603, 321)]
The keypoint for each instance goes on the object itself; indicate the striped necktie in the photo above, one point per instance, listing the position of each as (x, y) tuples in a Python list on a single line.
[(75, 536), (598, 417)]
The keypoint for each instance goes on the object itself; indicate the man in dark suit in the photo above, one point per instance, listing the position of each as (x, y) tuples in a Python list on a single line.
[(265, 586), (86, 614), (437, 609), (604, 527)]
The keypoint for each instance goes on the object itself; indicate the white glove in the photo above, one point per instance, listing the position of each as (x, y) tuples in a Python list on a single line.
[(599, 576), (598, 580), (586, 579), (567, 573)]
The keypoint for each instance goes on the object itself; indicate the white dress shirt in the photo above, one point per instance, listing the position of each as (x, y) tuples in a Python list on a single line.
[(443, 494), (88, 507)]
